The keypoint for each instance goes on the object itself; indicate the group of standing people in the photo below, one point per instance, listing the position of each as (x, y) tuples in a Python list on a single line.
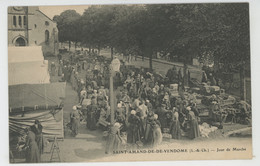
[(145, 106)]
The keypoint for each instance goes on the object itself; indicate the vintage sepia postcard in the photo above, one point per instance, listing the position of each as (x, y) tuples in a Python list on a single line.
[(139, 82)]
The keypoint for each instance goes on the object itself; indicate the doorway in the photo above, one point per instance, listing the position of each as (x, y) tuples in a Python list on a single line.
[(20, 42)]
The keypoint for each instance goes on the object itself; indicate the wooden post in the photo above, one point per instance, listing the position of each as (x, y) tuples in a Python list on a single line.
[(111, 89)]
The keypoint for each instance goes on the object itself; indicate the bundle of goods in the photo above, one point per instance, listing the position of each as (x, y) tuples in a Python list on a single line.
[(167, 135), (174, 89), (208, 90), (227, 100), (205, 129)]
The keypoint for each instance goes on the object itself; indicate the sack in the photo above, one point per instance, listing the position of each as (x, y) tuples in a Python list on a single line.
[(166, 135)]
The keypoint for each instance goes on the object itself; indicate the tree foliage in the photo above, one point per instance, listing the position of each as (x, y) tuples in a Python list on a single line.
[(69, 26), (183, 30)]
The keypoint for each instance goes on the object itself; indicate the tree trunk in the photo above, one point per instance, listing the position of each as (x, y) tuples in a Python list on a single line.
[(69, 45), (242, 82), (98, 50), (75, 45), (149, 53), (112, 53), (185, 76), (150, 60)]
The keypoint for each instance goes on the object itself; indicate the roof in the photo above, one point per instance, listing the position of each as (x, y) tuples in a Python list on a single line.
[(31, 95), (25, 54), (26, 65), (28, 73), (45, 15)]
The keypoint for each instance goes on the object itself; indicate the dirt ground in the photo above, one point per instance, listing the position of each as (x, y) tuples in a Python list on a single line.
[(89, 145)]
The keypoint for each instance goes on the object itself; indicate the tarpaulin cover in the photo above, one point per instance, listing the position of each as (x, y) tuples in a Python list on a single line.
[(23, 100), (28, 73), (31, 95), (25, 54), (51, 120)]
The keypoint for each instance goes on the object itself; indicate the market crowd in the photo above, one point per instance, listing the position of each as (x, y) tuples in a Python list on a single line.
[(148, 105)]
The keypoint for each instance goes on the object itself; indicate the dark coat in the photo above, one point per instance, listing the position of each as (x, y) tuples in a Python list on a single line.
[(32, 153)]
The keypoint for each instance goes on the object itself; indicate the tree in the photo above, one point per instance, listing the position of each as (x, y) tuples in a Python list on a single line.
[(68, 26)]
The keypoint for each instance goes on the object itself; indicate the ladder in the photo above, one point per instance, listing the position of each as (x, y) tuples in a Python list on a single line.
[(55, 150)]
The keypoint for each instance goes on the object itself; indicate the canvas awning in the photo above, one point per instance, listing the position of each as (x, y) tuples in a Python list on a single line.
[(28, 102), (31, 95), (26, 65), (28, 73)]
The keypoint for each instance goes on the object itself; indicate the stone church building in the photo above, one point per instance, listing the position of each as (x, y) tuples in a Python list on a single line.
[(28, 26)]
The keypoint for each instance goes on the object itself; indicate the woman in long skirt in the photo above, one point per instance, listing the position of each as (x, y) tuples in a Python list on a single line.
[(175, 128), (194, 127), (75, 118), (60, 69), (91, 115), (133, 131), (157, 133), (32, 151), (114, 139), (148, 135), (37, 129)]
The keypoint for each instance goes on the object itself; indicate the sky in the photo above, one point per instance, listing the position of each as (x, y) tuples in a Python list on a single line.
[(51, 11)]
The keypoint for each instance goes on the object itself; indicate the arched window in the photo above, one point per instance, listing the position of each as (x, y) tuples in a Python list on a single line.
[(47, 36), (20, 42), (24, 20), (14, 20), (20, 20), (47, 23)]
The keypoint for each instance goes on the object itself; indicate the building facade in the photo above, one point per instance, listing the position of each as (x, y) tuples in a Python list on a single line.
[(28, 26)]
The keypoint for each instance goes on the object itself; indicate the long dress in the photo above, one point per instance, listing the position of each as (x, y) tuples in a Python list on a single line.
[(162, 117), (39, 137), (32, 153), (75, 118), (148, 135), (113, 141), (60, 70), (175, 128), (134, 132), (91, 116), (157, 133), (194, 127)]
